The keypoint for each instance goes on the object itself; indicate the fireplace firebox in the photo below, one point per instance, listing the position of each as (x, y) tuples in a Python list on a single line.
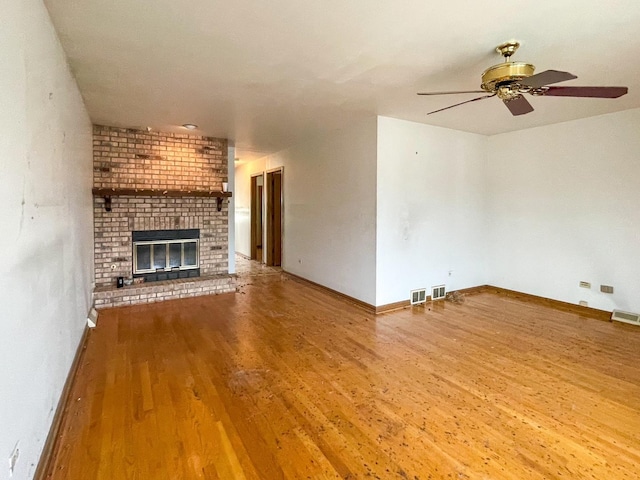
[(166, 254)]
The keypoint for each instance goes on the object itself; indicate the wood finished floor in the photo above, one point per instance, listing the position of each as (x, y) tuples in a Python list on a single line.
[(285, 381)]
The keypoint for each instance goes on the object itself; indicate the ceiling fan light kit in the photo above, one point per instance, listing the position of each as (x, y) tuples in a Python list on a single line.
[(509, 80)]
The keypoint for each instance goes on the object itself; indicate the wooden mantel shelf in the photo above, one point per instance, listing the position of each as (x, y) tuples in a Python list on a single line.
[(148, 192), (107, 193)]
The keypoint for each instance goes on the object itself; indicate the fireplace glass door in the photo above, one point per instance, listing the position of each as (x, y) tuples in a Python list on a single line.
[(165, 255)]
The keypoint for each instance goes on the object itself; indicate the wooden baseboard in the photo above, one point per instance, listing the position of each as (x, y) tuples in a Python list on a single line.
[(389, 307), (246, 257), (366, 306), (44, 464), (557, 304), (563, 306), (473, 290)]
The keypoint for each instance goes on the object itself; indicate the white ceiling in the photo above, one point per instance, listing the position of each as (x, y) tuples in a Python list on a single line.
[(267, 73)]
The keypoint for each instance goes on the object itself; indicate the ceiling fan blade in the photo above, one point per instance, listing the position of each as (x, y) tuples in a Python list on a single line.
[(462, 103), (451, 93), (591, 92), (547, 78), (518, 105)]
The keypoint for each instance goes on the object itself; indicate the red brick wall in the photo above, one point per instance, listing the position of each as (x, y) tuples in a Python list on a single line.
[(126, 158)]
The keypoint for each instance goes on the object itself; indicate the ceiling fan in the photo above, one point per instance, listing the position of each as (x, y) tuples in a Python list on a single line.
[(509, 80)]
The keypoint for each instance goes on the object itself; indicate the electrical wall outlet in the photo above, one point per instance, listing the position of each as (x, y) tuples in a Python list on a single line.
[(584, 303), (606, 288), (585, 284)]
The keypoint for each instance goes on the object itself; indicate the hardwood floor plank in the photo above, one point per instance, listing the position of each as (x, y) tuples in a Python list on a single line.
[(286, 381)]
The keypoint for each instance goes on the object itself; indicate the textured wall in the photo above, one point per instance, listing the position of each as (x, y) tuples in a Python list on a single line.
[(45, 214)]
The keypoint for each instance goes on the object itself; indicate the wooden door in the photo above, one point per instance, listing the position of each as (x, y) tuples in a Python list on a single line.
[(274, 218)]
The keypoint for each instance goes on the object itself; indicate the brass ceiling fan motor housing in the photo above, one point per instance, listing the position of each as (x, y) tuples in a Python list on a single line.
[(508, 72)]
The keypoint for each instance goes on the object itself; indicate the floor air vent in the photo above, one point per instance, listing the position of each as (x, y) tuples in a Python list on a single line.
[(438, 293), (418, 296), (626, 317)]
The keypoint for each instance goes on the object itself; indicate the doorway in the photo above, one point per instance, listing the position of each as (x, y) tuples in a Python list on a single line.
[(274, 218), (257, 233)]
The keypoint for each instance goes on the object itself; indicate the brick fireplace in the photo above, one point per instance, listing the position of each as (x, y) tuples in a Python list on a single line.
[(155, 183)]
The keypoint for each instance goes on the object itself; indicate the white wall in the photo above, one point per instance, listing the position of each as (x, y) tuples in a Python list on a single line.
[(564, 206), (431, 209), (242, 195), (46, 218), (329, 209), (535, 211)]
